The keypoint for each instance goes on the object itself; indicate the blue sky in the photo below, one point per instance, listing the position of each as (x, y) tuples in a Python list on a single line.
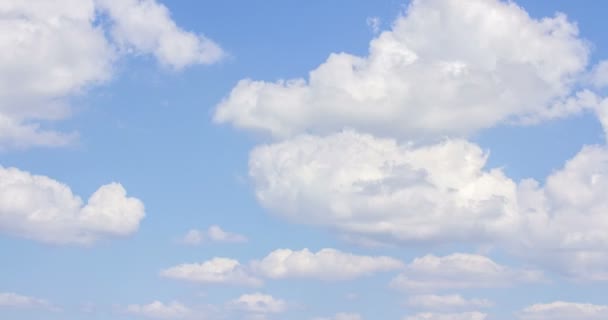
[(336, 160)]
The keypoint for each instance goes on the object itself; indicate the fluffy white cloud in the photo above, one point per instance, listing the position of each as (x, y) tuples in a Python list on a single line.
[(40, 208), (258, 303), (377, 188), (458, 271), (373, 189), (159, 310), (448, 316), (453, 301), (213, 233), (424, 79), (560, 310), (216, 270), (566, 218), (326, 264), (54, 50), (13, 300), (146, 26)]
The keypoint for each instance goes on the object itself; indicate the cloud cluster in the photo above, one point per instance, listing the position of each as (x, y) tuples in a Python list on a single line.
[(374, 147), (40, 208), (52, 51)]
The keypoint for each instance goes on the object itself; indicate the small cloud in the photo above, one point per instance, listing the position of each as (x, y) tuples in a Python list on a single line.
[(374, 24), (214, 233), (13, 300)]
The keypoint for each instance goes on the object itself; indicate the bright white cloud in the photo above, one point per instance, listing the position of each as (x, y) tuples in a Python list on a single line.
[(326, 264), (145, 26), (448, 316), (459, 271), (52, 51), (424, 79), (40, 208), (159, 310), (377, 188), (258, 303), (13, 300), (560, 310), (214, 271), (566, 219), (214, 233), (440, 302)]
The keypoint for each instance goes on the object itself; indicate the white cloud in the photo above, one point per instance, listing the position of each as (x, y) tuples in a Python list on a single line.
[(326, 264), (599, 74), (459, 271), (440, 302), (159, 310), (214, 233), (566, 220), (146, 26), (13, 300), (448, 316), (342, 316), (258, 303), (424, 79), (53, 51), (40, 208), (377, 188), (215, 271), (560, 310)]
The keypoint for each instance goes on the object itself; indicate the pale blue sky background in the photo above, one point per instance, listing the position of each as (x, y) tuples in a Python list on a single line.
[(151, 129)]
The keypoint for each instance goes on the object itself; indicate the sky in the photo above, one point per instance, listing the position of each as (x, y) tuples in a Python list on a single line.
[(303, 160)]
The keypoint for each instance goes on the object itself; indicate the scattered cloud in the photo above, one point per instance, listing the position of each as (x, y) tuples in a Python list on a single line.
[(442, 302), (326, 264), (40, 208), (342, 316), (214, 234), (561, 310), (459, 271), (214, 271), (159, 310), (448, 316), (258, 303), (13, 300)]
